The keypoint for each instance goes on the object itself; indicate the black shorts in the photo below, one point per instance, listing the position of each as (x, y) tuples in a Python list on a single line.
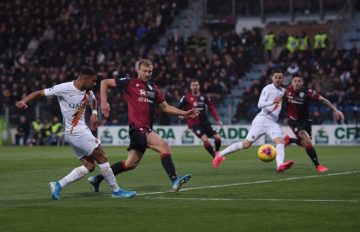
[(202, 129), (138, 139), (298, 125)]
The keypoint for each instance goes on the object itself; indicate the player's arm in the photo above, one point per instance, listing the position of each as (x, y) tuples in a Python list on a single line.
[(173, 110), (338, 114), (181, 105), (22, 104), (213, 111), (94, 113), (264, 99), (104, 86)]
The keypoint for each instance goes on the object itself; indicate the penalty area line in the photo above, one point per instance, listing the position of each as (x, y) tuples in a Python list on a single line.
[(255, 182)]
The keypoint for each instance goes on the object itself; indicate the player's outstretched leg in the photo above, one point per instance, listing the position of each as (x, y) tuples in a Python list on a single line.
[(121, 193), (117, 168), (55, 190), (288, 140), (108, 175), (218, 159), (180, 181), (322, 168), (94, 183), (220, 156), (286, 165), (74, 175)]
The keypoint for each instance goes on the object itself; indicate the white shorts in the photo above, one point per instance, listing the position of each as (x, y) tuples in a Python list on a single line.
[(262, 125), (83, 143)]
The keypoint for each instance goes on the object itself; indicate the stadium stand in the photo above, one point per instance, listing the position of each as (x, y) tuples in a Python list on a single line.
[(45, 43)]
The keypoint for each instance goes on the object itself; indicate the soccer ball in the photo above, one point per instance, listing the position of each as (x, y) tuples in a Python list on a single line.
[(267, 152)]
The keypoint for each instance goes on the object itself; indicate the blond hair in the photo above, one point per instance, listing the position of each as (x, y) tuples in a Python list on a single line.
[(145, 62)]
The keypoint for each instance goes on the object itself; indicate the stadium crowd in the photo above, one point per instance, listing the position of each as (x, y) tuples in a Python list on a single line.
[(46, 43), (219, 8), (39, 54), (334, 73)]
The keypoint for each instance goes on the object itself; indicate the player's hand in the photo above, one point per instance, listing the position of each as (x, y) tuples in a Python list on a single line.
[(21, 105), (220, 124), (193, 113), (339, 115), (94, 122), (105, 109)]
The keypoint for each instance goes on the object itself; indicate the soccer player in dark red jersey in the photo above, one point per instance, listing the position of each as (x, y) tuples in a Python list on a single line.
[(297, 100), (142, 97), (200, 125)]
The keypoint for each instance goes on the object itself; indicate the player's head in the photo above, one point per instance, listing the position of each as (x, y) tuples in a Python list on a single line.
[(144, 68), (194, 86), (297, 81), (277, 78), (87, 77)]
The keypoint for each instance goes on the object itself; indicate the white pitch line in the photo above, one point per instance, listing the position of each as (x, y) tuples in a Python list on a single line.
[(250, 199), (254, 182)]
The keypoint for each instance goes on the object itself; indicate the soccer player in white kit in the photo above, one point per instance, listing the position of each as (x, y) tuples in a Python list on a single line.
[(265, 122), (73, 98)]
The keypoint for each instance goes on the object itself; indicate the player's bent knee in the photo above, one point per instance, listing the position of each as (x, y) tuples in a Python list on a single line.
[(246, 144), (164, 148), (132, 165), (206, 142), (303, 135), (217, 137), (90, 167)]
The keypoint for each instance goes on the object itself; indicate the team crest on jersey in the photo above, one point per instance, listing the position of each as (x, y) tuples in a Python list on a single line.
[(142, 92), (150, 94), (301, 94), (195, 104), (137, 85)]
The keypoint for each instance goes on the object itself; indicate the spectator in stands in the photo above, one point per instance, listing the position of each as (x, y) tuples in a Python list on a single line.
[(39, 52), (56, 132), (320, 42), (217, 42), (304, 43), (23, 132), (36, 132), (192, 42), (269, 43), (292, 43), (317, 119)]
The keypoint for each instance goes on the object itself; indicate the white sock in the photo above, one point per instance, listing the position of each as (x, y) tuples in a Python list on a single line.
[(108, 174), (280, 154), (232, 148), (74, 175)]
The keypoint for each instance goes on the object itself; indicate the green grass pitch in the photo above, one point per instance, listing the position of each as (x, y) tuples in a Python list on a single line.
[(244, 194)]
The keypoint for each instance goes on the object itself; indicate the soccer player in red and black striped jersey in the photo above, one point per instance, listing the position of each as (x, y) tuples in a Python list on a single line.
[(142, 97), (297, 100), (200, 125)]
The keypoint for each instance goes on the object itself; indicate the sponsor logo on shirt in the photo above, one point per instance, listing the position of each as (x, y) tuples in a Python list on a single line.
[(79, 112), (75, 105), (145, 99)]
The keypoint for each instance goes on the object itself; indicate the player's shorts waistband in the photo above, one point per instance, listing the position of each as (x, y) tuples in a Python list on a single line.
[(143, 129)]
